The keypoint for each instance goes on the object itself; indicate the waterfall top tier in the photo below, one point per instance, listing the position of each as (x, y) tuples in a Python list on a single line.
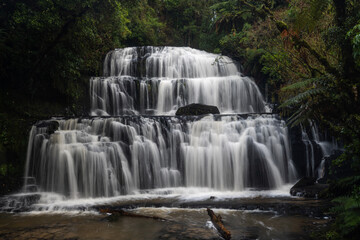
[(167, 62), (159, 80)]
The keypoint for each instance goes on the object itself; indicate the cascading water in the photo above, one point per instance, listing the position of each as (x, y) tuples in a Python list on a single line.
[(110, 156), (160, 79), (313, 144)]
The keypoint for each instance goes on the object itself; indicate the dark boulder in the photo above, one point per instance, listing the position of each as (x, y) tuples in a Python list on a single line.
[(197, 109), (304, 182), (342, 171), (300, 152), (51, 126), (308, 188)]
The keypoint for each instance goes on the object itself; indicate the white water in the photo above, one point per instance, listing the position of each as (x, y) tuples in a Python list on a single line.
[(109, 157), (311, 143), (50, 202), (158, 80), (142, 156)]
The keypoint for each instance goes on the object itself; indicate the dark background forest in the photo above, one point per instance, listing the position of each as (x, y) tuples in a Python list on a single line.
[(306, 53)]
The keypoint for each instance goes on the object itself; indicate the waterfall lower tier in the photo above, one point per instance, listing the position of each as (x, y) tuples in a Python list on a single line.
[(113, 156)]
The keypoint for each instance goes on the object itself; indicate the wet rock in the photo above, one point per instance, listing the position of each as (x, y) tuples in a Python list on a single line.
[(180, 231), (250, 233), (300, 151), (305, 181), (341, 171), (308, 188), (18, 202), (51, 126), (197, 109)]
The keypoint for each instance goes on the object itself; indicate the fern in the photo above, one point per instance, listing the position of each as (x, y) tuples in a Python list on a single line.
[(299, 117), (303, 96), (348, 211), (298, 85), (322, 81)]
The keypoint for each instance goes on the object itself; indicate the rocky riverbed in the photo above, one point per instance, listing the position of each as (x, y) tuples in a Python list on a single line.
[(254, 215)]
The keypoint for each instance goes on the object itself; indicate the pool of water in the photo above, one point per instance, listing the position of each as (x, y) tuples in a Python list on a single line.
[(247, 215), (180, 223)]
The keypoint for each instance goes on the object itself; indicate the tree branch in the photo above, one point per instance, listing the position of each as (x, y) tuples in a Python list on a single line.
[(264, 12)]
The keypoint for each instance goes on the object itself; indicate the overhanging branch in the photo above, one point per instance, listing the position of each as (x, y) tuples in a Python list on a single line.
[(264, 12)]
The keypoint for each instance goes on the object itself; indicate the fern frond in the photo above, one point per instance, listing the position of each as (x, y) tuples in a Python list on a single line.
[(322, 81), (219, 6), (298, 85), (301, 116), (303, 96)]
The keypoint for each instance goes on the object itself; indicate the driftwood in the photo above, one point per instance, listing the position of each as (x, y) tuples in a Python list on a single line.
[(219, 225), (115, 214)]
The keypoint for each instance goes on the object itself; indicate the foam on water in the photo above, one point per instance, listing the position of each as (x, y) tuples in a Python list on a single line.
[(55, 203)]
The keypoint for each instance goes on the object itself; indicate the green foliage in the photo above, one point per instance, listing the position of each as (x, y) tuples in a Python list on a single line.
[(188, 22), (354, 36), (230, 15), (53, 45), (305, 14), (312, 88), (12, 150), (348, 215), (145, 25), (3, 169), (274, 63), (312, 92), (300, 85)]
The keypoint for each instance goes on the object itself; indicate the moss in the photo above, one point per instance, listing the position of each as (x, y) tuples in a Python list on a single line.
[(281, 26)]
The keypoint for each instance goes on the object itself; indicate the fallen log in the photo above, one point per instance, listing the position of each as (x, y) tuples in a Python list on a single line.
[(219, 225), (115, 214)]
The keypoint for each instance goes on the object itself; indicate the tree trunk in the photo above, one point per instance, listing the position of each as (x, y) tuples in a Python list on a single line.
[(217, 221)]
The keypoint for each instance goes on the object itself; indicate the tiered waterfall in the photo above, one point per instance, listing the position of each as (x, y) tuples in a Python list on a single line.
[(133, 141)]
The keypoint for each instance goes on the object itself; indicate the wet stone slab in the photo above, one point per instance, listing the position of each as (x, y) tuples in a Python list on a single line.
[(179, 231), (55, 231)]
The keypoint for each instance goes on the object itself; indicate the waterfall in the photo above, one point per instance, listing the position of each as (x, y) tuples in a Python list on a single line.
[(107, 157), (158, 80), (134, 142), (316, 148)]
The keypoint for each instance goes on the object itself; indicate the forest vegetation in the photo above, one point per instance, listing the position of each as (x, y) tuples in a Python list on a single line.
[(306, 51)]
